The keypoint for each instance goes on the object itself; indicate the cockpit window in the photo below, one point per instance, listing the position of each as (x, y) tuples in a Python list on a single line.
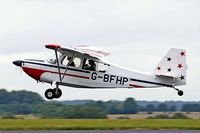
[(71, 61), (101, 67), (90, 65), (95, 66)]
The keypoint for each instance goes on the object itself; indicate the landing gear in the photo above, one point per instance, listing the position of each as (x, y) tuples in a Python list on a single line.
[(180, 92), (53, 93)]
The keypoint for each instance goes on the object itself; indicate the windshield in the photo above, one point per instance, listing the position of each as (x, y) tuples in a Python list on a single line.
[(52, 59)]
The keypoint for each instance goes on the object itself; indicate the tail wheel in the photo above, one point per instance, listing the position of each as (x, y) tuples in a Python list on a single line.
[(180, 93), (49, 94), (57, 93)]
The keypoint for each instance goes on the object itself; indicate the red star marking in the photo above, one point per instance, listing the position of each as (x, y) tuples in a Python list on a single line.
[(158, 68), (180, 66), (182, 53)]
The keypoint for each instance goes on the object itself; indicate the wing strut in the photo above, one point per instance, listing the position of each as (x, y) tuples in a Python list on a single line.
[(57, 61), (68, 64), (56, 53), (58, 92)]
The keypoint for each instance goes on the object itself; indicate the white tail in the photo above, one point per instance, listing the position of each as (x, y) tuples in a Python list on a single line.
[(173, 65)]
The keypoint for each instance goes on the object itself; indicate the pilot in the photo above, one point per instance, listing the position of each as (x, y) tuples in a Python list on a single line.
[(90, 66), (72, 62)]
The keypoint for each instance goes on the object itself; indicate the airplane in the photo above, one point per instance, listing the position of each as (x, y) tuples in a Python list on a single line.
[(83, 66)]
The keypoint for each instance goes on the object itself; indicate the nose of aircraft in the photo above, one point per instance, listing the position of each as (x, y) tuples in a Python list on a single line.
[(18, 63)]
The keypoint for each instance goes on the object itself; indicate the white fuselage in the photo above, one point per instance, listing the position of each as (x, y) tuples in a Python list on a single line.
[(114, 77)]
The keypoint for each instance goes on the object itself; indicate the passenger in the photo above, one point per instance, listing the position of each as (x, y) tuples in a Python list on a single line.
[(90, 66), (72, 62)]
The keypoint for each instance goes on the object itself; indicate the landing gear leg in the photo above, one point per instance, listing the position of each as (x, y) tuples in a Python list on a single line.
[(180, 92), (57, 92)]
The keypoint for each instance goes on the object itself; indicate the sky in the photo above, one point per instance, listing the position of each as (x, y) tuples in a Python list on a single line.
[(138, 33)]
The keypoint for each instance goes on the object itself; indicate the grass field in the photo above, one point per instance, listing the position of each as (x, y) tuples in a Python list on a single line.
[(102, 124)]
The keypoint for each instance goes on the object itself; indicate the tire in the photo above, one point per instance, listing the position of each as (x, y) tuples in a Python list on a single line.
[(57, 94), (49, 94), (180, 93)]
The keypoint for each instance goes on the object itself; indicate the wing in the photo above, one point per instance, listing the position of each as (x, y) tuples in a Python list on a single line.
[(92, 51)]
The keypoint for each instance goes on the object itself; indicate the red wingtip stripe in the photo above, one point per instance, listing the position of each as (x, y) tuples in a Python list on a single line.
[(52, 46)]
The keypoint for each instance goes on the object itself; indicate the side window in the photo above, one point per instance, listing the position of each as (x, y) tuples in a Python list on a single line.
[(75, 62), (95, 66), (90, 65), (101, 67), (65, 61)]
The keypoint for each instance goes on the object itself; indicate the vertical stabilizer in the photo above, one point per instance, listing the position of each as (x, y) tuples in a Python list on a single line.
[(173, 65)]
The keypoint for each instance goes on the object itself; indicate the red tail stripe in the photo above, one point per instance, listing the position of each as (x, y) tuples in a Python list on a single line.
[(136, 86)]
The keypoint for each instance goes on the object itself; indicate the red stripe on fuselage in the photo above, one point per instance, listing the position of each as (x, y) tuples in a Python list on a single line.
[(72, 75), (36, 73), (136, 86)]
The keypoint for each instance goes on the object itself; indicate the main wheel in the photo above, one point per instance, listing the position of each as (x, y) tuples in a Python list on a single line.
[(57, 93), (180, 93), (49, 94)]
